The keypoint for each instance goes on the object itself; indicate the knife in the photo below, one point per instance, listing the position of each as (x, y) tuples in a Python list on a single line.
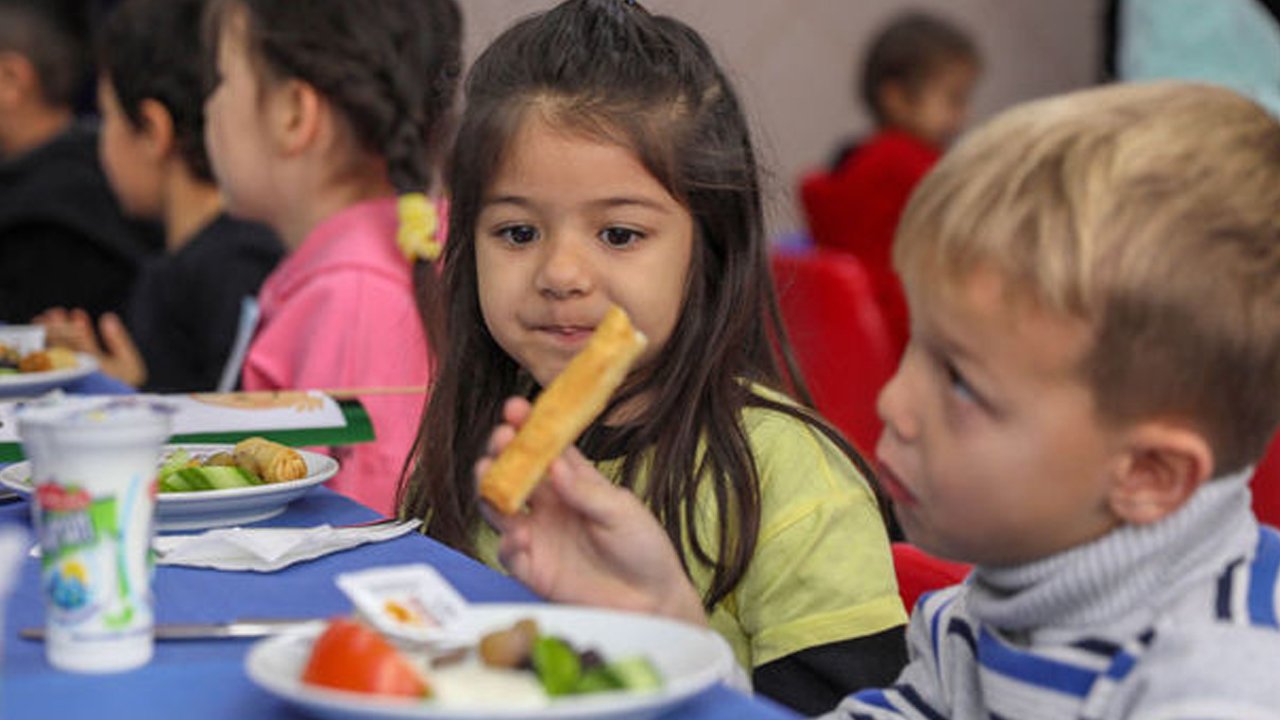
[(206, 631)]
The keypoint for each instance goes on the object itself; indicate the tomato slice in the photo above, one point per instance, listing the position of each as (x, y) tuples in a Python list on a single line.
[(351, 656)]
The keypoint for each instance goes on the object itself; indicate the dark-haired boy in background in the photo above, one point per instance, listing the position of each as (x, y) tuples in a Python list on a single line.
[(186, 308), (63, 240), (916, 81)]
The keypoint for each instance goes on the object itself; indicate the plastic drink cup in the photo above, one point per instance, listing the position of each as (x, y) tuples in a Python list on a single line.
[(93, 467)]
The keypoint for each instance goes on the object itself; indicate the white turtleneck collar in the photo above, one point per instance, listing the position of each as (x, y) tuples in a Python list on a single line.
[(1124, 572)]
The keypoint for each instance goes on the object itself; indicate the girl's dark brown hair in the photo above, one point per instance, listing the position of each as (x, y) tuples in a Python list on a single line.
[(390, 67), (609, 70)]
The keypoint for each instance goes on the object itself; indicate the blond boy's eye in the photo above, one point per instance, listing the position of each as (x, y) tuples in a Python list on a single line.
[(959, 385)]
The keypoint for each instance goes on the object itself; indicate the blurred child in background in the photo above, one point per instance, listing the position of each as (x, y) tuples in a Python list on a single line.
[(603, 159), (916, 82), (325, 119), (184, 312), (63, 239)]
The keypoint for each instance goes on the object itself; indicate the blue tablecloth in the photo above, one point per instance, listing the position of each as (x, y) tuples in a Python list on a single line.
[(193, 680), (97, 383)]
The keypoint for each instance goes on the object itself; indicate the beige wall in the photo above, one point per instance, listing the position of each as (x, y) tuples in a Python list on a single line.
[(793, 61)]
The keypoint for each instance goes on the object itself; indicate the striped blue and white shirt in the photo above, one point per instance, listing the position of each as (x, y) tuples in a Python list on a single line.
[(1176, 620)]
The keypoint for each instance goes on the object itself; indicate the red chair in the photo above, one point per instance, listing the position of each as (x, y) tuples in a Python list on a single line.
[(839, 336), (1266, 485), (919, 573)]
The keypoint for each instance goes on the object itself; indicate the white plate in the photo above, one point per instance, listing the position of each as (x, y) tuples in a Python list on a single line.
[(36, 383), (690, 659), (212, 508)]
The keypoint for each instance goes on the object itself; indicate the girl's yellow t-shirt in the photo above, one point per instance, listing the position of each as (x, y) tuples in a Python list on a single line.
[(822, 571)]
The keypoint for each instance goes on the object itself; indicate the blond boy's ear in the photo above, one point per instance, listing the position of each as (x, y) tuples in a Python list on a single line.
[(1162, 467)]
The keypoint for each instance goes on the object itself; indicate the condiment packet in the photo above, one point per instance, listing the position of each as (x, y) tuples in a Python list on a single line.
[(413, 603)]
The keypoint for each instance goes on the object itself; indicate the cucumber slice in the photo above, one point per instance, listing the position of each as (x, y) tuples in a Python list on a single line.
[(177, 460), (194, 477), (208, 477), (597, 679), (221, 477), (635, 673), (173, 483)]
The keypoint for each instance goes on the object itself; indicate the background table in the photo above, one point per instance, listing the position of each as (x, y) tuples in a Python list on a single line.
[(193, 680)]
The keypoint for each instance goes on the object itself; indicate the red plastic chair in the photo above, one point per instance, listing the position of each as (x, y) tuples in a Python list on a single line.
[(918, 573), (1266, 485), (839, 336)]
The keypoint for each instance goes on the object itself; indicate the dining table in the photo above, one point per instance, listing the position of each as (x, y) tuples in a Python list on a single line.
[(206, 679)]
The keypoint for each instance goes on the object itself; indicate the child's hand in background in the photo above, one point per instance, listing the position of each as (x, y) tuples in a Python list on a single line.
[(74, 330), (583, 540)]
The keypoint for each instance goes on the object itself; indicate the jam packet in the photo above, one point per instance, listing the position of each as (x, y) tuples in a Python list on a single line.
[(409, 603)]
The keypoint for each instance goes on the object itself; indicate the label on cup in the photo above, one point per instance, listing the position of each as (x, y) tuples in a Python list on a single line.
[(96, 587)]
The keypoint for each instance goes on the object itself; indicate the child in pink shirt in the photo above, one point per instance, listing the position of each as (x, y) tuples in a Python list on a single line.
[(339, 312), (319, 120)]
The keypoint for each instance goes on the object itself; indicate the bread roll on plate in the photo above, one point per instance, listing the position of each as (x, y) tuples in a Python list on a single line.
[(563, 411)]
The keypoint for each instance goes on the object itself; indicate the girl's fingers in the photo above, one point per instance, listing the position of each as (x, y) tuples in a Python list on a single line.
[(515, 411), (578, 485), (516, 562), (499, 439), (496, 520)]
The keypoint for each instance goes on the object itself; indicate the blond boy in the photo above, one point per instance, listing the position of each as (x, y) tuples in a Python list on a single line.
[(1094, 367)]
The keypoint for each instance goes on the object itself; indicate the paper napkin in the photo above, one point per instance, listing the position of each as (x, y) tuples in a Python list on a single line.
[(269, 549)]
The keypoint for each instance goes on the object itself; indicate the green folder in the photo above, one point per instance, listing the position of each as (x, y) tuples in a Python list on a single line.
[(357, 430)]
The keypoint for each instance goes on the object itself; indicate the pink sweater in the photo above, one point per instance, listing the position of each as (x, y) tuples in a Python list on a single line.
[(339, 312)]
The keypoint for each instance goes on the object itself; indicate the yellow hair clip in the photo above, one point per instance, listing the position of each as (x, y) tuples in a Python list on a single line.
[(416, 234)]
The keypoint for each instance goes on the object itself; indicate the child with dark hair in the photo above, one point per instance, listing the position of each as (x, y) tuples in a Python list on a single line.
[(63, 239), (916, 81), (185, 310), (603, 159), (324, 123)]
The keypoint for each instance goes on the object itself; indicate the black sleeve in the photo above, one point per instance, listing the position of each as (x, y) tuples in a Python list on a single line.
[(47, 264), (816, 679), (238, 276)]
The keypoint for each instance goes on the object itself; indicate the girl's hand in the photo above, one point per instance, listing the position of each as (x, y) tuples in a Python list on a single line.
[(74, 330), (583, 540)]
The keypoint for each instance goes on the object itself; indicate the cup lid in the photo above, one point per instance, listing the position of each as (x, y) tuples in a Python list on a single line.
[(86, 412)]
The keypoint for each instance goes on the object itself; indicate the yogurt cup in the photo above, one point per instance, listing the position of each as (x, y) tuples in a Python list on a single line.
[(93, 469)]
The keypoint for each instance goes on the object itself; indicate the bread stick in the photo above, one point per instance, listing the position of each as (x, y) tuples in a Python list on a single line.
[(564, 409), (269, 460)]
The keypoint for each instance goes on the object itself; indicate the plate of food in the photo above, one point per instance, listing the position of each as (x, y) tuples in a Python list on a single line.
[(35, 372), (207, 486), (531, 661)]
